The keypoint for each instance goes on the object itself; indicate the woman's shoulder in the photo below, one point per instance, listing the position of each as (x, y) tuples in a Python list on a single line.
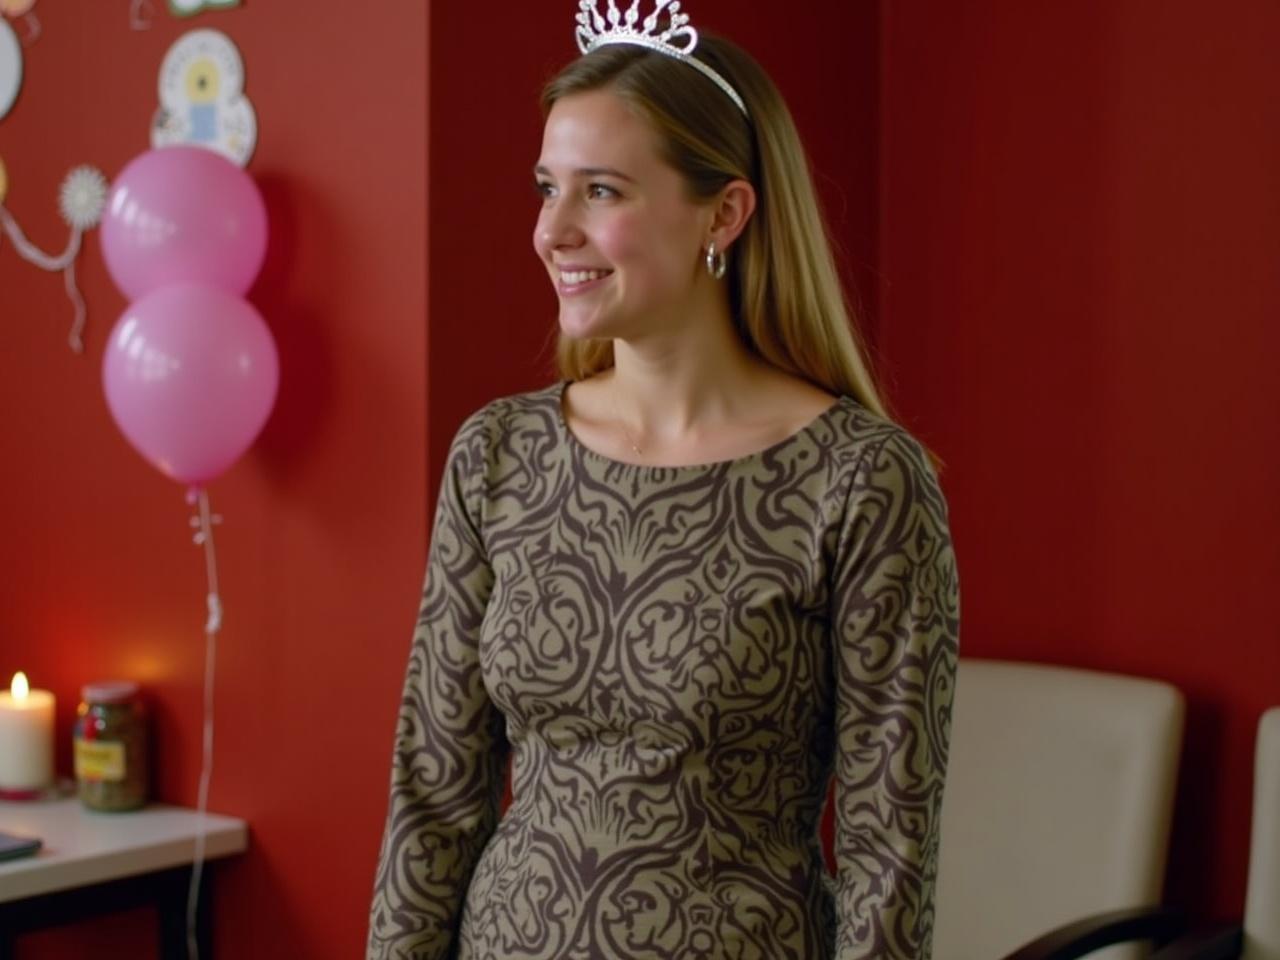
[(525, 413), (858, 432), (872, 457), (845, 430)]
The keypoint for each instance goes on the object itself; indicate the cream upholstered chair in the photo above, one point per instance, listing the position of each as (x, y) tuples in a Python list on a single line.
[(1057, 808), (1261, 931), (1262, 903)]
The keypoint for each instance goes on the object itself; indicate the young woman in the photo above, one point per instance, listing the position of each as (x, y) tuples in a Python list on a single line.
[(689, 584)]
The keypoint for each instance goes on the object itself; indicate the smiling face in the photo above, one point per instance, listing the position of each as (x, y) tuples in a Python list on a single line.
[(618, 232)]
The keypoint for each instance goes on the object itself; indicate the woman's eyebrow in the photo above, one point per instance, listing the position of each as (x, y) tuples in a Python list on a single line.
[(588, 172)]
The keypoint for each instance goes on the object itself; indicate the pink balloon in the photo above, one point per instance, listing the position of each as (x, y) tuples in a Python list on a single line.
[(183, 215), (190, 375)]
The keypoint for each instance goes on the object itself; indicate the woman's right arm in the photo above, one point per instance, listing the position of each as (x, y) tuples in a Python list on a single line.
[(450, 750)]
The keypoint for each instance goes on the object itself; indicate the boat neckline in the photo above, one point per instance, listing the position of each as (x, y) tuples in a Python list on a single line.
[(558, 393)]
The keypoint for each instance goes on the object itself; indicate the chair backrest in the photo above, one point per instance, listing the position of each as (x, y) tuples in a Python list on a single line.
[(1058, 802), (1262, 903)]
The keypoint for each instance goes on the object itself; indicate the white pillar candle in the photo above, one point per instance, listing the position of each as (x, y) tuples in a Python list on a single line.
[(26, 737)]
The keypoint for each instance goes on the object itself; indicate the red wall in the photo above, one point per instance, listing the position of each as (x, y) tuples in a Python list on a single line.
[(323, 542), (1081, 219), (1089, 200)]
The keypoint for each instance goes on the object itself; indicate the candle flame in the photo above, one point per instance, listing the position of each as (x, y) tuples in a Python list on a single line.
[(19, 688)]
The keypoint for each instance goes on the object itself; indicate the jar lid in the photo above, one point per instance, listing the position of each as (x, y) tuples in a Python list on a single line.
[(109, 691)]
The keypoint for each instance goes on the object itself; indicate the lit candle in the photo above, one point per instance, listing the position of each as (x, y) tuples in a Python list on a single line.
[(26, 738)]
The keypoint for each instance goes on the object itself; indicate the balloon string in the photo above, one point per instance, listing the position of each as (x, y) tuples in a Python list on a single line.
[(33, 254), (66, 263), (204, 521), (76, 337)]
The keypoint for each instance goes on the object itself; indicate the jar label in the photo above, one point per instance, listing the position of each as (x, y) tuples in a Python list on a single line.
[(99, 760)]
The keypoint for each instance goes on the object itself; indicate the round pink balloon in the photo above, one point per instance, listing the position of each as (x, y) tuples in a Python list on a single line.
[(183, 215), (190, 375)]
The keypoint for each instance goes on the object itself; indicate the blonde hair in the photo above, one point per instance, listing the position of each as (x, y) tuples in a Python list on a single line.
[(784, 291)]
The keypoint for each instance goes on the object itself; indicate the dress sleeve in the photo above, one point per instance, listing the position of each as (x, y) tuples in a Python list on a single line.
[(449, 760), (895, 620)]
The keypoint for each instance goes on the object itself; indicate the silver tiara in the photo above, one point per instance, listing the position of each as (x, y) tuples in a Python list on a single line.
[(677, 39)]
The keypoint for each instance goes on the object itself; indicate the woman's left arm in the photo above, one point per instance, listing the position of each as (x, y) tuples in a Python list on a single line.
[(895, 621)]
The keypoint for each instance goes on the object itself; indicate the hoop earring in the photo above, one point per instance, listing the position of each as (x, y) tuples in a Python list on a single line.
[(716, 263)]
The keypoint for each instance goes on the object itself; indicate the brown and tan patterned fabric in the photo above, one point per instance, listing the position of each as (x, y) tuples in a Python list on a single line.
[(678, 659)]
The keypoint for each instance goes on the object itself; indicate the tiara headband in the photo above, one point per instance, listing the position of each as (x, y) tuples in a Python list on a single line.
[(596, 30)]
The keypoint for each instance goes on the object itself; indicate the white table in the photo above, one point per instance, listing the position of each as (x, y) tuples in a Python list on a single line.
[(98, 862)]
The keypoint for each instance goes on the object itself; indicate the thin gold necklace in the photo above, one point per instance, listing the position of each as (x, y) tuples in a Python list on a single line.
[(623, 424)]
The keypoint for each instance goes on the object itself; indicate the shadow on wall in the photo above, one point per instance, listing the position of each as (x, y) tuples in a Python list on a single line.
[(305, 399)]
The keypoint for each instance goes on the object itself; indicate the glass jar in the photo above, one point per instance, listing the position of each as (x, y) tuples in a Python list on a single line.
[(111, 747)]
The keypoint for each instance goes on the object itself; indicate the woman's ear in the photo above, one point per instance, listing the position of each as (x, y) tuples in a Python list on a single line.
[(732, 209)]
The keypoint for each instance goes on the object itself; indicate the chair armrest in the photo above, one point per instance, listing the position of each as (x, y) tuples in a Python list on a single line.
[(1082, 937), (1222, 943)]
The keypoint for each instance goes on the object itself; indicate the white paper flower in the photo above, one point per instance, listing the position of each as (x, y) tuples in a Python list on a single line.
[(83, 197)]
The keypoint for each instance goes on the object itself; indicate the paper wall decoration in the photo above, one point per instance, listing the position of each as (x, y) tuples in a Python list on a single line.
[(10, 67), (189, 8), (202, 100)]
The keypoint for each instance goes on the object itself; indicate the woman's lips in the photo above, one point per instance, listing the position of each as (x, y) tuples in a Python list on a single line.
[(572, 282)]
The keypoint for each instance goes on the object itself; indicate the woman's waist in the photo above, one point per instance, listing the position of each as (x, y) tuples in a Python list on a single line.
[(709, 841), (613, 789)]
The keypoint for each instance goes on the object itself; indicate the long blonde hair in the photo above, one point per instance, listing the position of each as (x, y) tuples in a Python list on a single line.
[(784, 291)]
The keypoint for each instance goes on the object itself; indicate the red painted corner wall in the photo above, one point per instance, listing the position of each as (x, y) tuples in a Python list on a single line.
[(1080, 222), (323, 539)]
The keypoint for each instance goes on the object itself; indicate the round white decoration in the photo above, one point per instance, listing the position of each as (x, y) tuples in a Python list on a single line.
[(83, 197), (10, 67), (202, 101)]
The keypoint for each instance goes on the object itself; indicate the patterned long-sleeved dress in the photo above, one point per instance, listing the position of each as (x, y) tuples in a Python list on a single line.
[(678, 659)]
